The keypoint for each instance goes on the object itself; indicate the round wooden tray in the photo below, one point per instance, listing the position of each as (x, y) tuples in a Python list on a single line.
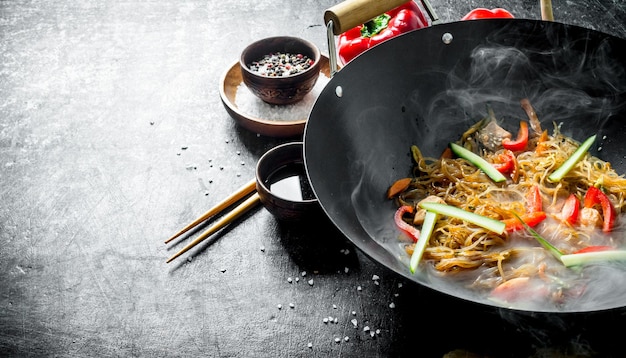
[(229, 83)]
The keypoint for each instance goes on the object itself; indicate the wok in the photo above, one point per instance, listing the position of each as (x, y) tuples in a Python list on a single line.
[(427, 87)]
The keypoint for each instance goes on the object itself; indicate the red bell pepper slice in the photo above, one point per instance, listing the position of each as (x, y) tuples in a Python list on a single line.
[(483, 13), (570, 210), (506, 162), (534, 212), (596, 196), (594, 249), (533, 199), (531, 219), (401, 19), (521, 141), (405, 227)]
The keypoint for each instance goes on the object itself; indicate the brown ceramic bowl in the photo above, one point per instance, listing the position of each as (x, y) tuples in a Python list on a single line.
[(280, 89), (283, 185)]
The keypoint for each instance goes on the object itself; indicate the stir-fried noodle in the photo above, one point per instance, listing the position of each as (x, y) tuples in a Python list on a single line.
[(458, 246)]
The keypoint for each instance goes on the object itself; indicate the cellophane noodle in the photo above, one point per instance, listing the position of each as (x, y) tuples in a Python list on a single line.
[(457, 246)]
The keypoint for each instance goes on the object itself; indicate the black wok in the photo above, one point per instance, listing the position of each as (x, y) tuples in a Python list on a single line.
[(426, 88)]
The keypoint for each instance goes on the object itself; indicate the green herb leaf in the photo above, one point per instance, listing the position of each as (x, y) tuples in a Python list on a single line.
[(543, 242)]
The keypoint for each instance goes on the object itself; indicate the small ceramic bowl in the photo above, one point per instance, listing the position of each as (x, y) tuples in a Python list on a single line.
[(280, 89), (283, 185)]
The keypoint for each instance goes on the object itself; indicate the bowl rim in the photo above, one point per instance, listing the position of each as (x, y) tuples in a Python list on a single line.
[(288, 147)]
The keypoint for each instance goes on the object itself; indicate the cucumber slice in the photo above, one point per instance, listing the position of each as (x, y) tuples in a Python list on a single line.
[(427, 229), (479, 162), (567, 165), (590, 257), (488, 223)]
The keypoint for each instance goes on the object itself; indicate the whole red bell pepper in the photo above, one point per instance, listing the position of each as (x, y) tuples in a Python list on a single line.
[(401, 19), (482, 13)]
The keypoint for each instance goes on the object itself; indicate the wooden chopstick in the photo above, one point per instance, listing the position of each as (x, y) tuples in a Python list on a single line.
[(231, 199), (235, 213)]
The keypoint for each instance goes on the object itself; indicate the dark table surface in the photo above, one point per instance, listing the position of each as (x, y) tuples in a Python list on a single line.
[(113, 136)]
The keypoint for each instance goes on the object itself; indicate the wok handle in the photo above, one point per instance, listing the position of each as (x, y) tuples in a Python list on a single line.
[(351, 13), (546, 10)]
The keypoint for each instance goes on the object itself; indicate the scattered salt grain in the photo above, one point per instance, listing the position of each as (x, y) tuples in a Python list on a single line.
[(253, 106), (375, 278), (378, 332), (346, 270), (310, 345), (311, 282), (354, 322), (346, 338), (354, 313), (262, 248), (337, 340), (303, 273), (335, 307), (289, 279), (325, 320), (392, 305), (366, 329), (358, 288), (291, 305), (280, 307)]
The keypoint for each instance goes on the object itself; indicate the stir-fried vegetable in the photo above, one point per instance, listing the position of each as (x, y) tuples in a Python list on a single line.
[(405, 227), (427, 229), (478, 161), (578, 154), (543, 242), (591, 257), (596, 196), (585, 256), (570, 210), (522, 139), (480, 220)]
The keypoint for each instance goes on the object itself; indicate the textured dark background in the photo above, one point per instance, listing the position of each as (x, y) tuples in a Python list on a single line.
[(113, 137)]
